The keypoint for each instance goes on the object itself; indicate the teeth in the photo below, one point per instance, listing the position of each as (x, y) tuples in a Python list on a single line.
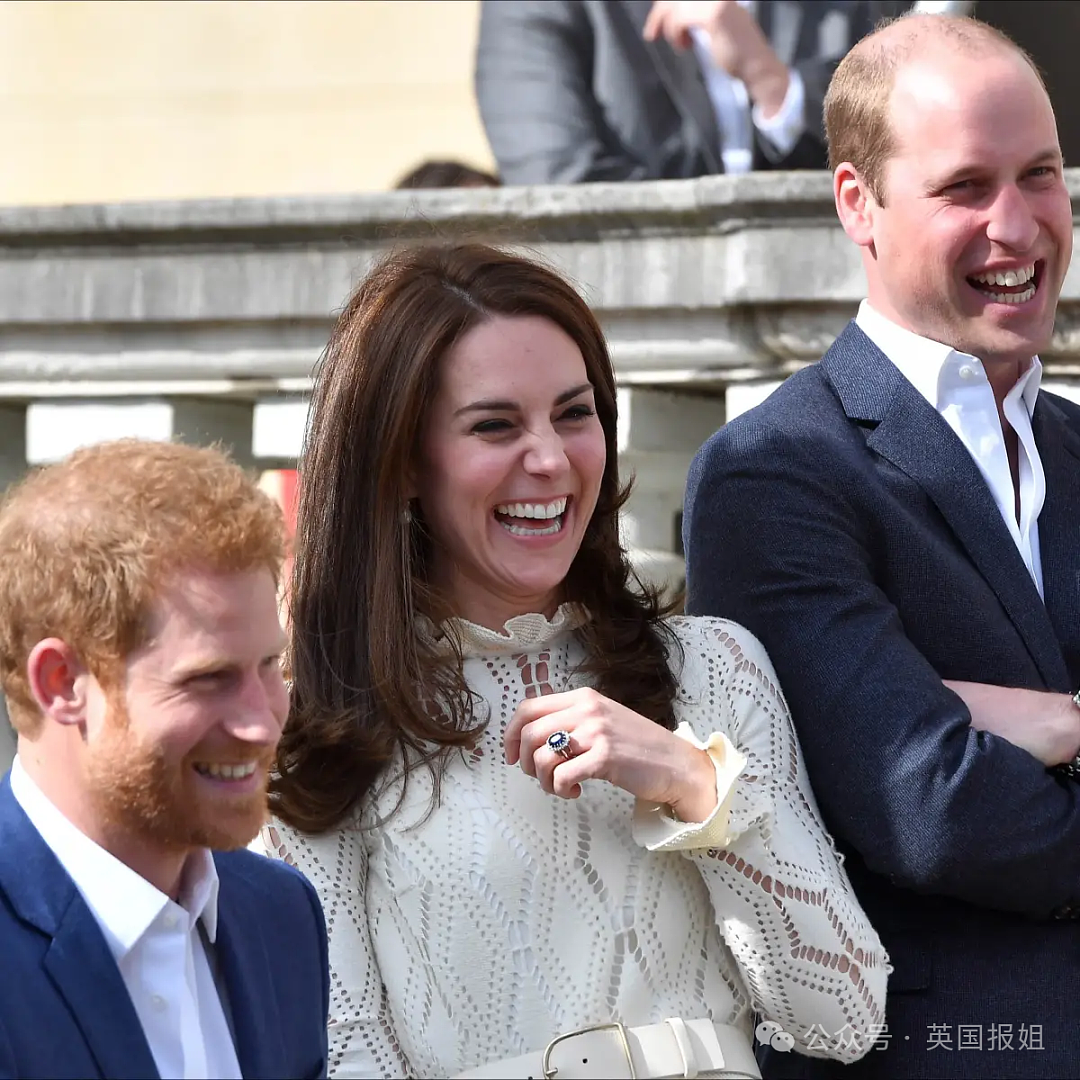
[(517, 530), (533, 510), (1007, 277), (226, 772), (1012, 298)]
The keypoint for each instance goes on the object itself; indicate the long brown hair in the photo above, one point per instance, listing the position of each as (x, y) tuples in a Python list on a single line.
[(364, 681)]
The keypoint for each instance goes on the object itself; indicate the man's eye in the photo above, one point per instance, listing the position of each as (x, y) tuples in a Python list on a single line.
[(208, 679)]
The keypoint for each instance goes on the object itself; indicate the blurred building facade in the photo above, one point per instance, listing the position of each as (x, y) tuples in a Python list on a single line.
[(107, 101)]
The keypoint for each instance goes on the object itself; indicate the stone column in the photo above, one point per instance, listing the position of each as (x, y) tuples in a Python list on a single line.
[(12, 443), (7, 739), (659, 433), (204, 421)]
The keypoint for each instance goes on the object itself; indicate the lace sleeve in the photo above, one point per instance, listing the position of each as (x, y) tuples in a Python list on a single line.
[(362, 1040), (810, 958)]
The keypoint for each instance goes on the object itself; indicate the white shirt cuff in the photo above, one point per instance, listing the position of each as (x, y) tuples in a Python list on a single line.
[(656, 828), (780, 132)]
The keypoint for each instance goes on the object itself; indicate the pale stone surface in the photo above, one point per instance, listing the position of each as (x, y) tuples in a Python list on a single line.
[(108, 100), (55, 429), (220, 308)]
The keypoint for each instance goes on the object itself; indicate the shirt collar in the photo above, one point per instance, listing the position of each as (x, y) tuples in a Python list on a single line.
[(123, 903), (931, 367)]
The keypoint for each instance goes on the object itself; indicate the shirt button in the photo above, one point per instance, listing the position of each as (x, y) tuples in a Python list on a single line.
[(967, 372), (158, 1002)]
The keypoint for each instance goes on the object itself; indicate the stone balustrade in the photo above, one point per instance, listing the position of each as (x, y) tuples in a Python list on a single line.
[(204, 319)]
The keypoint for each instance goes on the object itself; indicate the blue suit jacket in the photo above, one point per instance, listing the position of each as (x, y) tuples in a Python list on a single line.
[(846, 525), (64, 1009)]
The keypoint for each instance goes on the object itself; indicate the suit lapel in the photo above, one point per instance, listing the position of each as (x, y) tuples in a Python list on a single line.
[(681, 77), (917, 440), (85, 973), (1059, 528), (249, 984), (78, 961)]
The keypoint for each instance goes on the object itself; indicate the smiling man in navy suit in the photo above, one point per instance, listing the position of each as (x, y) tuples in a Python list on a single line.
[(900, 525), (140, 655)]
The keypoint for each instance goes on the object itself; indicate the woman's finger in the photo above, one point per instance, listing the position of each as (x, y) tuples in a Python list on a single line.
[(536, 748), (530, 710)]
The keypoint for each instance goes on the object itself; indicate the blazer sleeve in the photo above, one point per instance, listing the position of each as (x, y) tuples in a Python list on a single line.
[(361, 1035), (808, 955), (321, 946), (776, 540), (534, 64)]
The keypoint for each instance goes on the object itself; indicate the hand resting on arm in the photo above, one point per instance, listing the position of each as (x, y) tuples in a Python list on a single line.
[(1046, 725)]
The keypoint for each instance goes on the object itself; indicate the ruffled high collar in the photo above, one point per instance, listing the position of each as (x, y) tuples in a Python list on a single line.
[(522, 633)]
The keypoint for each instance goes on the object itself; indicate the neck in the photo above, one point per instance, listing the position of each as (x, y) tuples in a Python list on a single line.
[(59, 782)]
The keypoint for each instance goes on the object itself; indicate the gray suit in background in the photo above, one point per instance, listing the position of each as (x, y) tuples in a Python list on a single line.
[(570, 92)]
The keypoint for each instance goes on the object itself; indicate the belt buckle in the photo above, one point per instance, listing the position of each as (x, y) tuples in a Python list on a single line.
[(549, 1073)]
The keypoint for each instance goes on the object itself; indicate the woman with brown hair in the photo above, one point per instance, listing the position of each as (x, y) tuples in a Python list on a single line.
[(553, 830)]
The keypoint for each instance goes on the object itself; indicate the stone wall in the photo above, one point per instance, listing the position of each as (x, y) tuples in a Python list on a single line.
[(205, 319)]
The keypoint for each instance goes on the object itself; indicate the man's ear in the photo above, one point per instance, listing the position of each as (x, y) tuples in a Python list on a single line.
[(58, 681), (855, 204)]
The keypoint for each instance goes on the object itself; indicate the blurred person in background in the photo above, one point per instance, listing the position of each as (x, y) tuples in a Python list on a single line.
[(529, 801), (582, 90), (438, 173), (140, 656)]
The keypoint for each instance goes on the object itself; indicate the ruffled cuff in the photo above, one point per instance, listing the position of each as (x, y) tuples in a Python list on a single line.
[(656, 828)]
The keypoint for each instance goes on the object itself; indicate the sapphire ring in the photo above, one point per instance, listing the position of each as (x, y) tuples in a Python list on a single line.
[(559, 743)]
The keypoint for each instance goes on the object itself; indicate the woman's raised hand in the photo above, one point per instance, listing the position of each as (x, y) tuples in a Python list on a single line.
[(607, 741)]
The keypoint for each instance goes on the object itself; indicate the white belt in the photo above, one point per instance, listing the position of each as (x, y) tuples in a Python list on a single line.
[(673, 1048)]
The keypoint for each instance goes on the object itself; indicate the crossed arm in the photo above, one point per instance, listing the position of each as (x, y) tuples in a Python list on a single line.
[(1046, 725), (927, 781)]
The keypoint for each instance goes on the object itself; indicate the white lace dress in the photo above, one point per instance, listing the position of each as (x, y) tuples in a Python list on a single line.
[(509, 916)]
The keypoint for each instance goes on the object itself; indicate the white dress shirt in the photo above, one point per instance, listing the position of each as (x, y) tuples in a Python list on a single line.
[(956, 386), (737, 121), (156, 942)]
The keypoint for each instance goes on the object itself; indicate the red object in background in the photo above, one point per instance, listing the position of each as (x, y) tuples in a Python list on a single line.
[(280, 485)]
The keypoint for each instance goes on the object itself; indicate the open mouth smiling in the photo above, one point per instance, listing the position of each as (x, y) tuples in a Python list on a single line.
[(533, 518), (1014, 286), (215, 771)]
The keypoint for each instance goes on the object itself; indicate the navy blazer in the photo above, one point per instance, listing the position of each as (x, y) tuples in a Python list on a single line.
[(846, 525), (64, 1009)]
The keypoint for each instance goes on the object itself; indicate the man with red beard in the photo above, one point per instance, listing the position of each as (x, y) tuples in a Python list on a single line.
[(140, 653)]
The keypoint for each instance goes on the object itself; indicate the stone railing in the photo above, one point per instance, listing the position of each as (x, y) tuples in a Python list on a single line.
[(204, 319)]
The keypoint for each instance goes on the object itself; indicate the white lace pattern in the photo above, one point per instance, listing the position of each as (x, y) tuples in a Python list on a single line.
[(509, 916)]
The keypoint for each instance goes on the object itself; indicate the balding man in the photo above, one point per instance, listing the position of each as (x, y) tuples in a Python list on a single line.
[(899, 525)]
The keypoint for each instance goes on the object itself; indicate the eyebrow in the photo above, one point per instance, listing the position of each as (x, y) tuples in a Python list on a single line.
[(212, 664), (505, 405)]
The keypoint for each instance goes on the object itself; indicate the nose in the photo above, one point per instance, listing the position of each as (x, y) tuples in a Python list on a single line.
[(259, 709), (1011, 222), (546, 453)]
